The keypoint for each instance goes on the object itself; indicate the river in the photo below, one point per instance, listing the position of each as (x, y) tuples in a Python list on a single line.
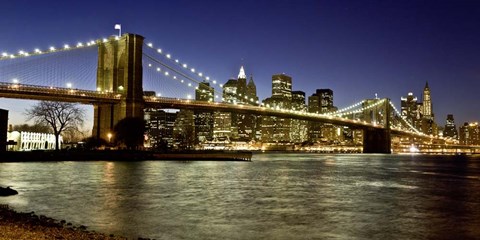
[(276, 196)]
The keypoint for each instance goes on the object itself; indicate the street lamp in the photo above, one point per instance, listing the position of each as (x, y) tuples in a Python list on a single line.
[(109, 135)]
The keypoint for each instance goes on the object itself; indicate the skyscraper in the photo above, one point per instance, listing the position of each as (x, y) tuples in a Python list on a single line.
[(203, 119), (411, 110), (450, 128), (299, 129), (320, 102), (184, 130), (237, 126), (282, 87), (159, 127), (470, 134), (275, 129), (428, 121), (247, 95), (427, 103)]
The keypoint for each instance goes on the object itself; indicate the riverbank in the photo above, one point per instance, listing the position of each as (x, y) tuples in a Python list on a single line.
[(123, 155), (16, 225)]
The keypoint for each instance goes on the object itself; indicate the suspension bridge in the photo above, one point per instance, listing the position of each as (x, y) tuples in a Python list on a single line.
[(122, 68)]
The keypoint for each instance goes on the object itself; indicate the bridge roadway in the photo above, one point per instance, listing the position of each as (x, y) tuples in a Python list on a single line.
[(35, 92)]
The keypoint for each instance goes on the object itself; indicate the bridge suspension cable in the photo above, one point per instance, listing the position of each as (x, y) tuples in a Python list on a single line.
[(403, 118), (5, 55), (190, 74), (360, 110)]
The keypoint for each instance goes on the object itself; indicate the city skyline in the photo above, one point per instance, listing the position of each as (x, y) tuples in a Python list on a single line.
[(416, 42)]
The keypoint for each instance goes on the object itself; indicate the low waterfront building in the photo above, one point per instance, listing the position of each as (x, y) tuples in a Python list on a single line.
[(28, 141)]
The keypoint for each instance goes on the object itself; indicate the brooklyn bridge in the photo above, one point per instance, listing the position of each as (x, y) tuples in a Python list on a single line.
[(127, 68)]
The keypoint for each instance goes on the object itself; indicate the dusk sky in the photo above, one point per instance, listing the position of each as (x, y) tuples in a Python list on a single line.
[(356, 48)]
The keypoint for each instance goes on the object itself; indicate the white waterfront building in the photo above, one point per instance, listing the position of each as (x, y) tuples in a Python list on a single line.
[(28, 141)]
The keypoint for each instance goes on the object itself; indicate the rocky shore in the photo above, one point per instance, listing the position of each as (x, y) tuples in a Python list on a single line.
[(16, 225)]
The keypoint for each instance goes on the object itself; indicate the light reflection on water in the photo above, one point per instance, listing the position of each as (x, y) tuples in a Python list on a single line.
[(277, 196)]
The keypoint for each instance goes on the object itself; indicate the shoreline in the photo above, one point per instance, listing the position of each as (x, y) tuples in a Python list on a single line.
[(124, 155), (19, 225)]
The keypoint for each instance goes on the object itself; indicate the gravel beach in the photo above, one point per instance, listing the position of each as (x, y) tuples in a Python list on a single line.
[(16, 225)]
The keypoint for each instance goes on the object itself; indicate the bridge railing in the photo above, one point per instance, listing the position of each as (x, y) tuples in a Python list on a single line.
[(16, 87)]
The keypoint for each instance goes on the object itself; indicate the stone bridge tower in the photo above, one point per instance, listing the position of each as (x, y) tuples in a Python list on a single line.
[(119, 71), (377, 140)]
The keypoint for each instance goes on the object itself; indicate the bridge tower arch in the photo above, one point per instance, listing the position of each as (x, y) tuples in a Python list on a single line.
[(120, 71), (377, 140)]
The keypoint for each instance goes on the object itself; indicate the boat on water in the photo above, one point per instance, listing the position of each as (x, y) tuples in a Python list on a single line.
[(7, 191)]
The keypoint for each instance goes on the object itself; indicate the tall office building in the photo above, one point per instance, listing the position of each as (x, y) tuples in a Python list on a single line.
[(159, 127), (184, 130), (252, 91), (237, 126), (203, 119), (298, 129), (225, 123), (247, 95), (428, 120), (275, 129), (411, 110), (470, 134), (450, 128), (427, 103), (321, 102), (282, 87)]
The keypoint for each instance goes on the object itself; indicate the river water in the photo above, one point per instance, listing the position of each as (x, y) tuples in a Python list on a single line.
[(276, 196)]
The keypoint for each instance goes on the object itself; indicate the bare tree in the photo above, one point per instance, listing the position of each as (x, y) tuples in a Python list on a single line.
[(60, 116)]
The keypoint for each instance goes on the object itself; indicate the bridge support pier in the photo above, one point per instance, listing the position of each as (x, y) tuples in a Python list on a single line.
[(376, 140), (119, 71)]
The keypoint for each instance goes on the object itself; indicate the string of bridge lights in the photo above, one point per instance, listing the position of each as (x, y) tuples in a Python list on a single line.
[(66, 47), (403, 118), (175, 76), (182, 64), (360, 110), (52, 49), (203, 77), (346, 108)]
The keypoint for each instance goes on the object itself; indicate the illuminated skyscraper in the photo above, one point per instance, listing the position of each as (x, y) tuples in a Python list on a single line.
[(320, 102), (203, 119), (275, 129), (159, 128), (411, 110), (184, 130), (470, 134), (428, 121), (299, 129), (282, 87), (237, 125), (450, 128), (427, 103)]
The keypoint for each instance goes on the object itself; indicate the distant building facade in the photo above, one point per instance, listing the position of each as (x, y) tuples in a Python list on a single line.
[(428, 120), (28, 141), (411, 110), (159, 128), (321, 102), (450, 129), (276, 129), (470, 134), (299, 128), (204, 119), (237, 126)]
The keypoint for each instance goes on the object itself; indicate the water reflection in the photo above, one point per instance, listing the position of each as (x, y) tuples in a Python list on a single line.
[(277, 196)]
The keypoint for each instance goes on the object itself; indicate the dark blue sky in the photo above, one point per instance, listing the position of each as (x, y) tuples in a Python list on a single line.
[(356, 48)]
